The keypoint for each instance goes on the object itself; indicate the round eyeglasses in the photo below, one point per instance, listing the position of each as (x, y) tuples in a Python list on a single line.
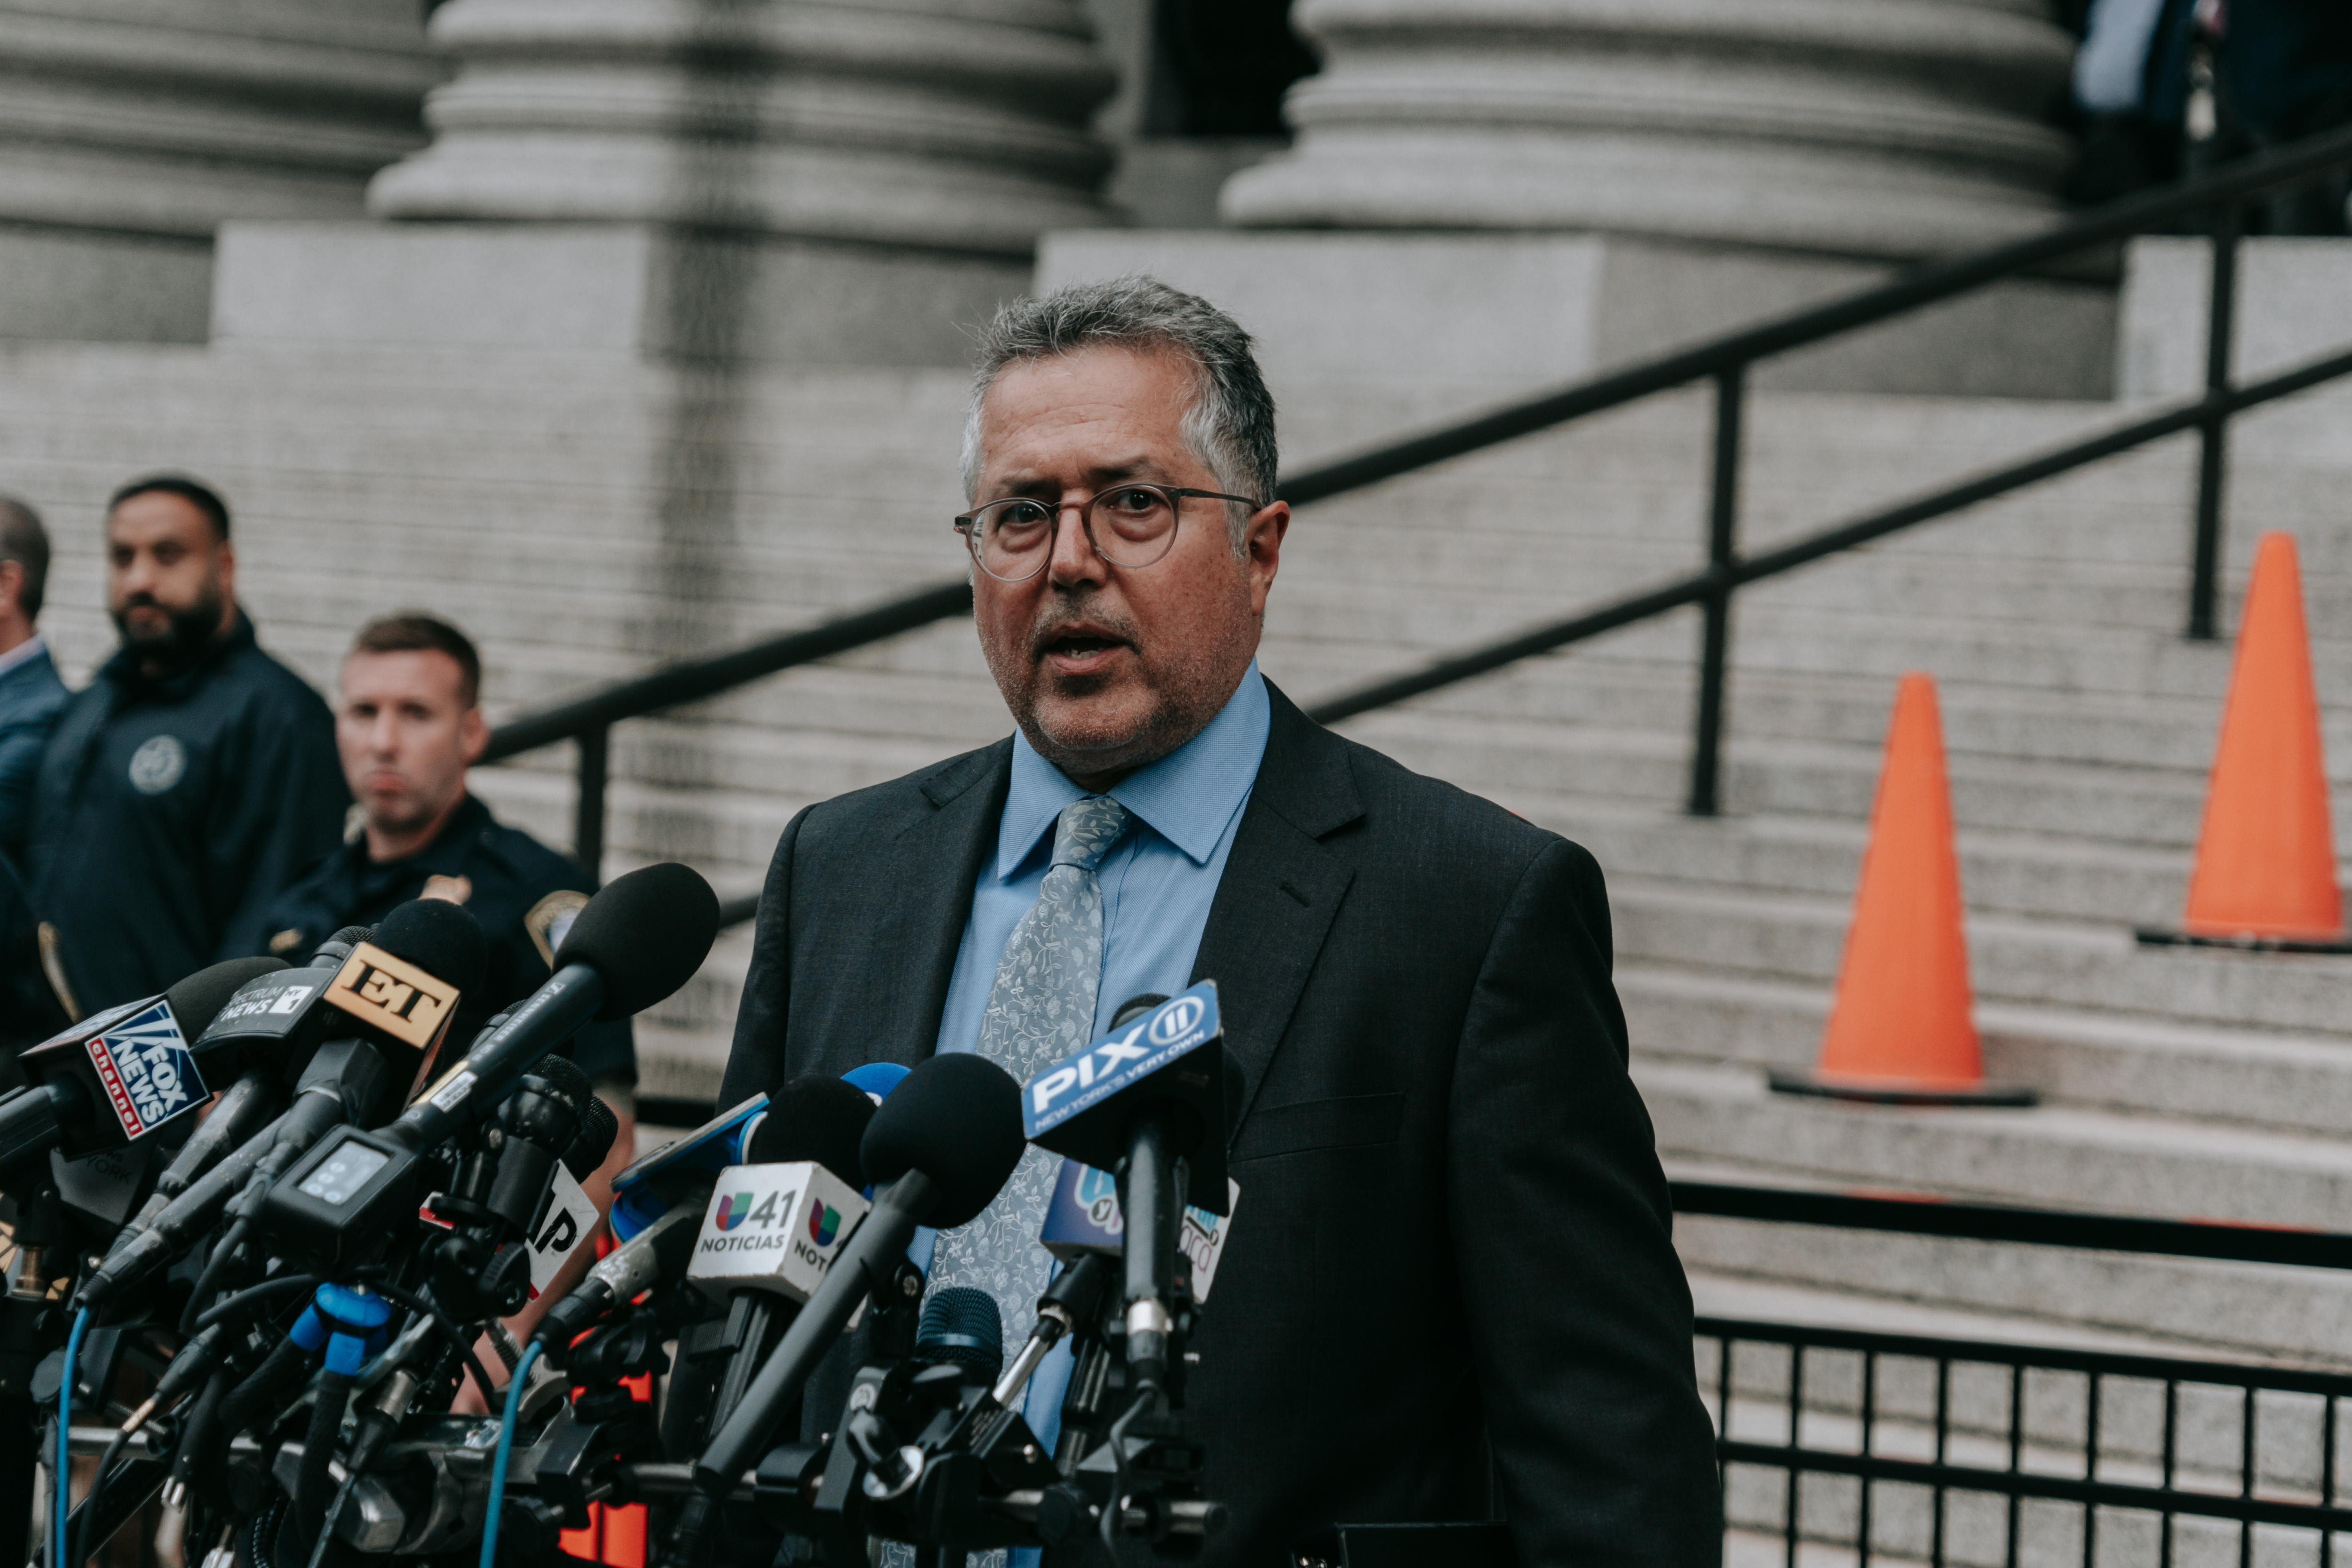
[(1129, 525)]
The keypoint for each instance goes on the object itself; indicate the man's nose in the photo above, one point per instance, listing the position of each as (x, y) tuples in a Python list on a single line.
[(1073, 560)]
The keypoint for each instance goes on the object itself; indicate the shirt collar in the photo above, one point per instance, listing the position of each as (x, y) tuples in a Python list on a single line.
[(1188, 798), (445, 854), (25, 652)]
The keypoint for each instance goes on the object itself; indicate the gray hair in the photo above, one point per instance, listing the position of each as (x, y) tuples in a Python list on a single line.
[(24, 541), (1230, 427)]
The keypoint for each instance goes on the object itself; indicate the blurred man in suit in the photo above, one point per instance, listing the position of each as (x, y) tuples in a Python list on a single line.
[(31, 695)]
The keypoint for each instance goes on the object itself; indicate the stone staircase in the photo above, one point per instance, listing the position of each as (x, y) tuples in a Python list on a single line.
[(588, 519)]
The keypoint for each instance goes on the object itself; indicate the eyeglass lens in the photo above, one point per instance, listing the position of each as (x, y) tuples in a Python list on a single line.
[(1133, 525)]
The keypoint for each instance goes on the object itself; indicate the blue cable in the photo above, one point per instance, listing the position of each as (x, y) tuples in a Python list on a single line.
[(64, 1427), (506, 1448)]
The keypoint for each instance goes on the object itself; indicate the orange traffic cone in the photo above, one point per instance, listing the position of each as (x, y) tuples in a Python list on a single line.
[(2265, 874), (1900, 1031)]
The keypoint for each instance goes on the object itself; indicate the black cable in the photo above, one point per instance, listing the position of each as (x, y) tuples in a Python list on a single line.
[(81, 1551), (224, 1258), (334, 1513), (195, 1438), (282, 1366), (276, 1285), (1115, 1509), (312, 1483), (263, 1533), (449, 1331)]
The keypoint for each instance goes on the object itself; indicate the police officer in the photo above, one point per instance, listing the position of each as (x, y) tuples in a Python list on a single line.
[(408, 725), (187, 786)]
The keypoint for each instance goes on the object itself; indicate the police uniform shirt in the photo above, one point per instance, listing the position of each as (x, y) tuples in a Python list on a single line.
[(523, 893), (168, 813)]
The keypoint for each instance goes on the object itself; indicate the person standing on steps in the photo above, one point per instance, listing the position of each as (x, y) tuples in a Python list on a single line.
[(190, 783), (1452, 1238), (31, 695), (408, 725)]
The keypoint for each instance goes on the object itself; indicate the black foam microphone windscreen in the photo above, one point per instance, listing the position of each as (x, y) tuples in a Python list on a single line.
[(644, 935), (957, 1118), (598, 1128), (198, 999), (438, 937), (563, 1075), (331, 952), (962, 1325), (813, 1117)]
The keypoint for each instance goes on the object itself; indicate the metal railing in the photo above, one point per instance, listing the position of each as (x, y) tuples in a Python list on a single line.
[(2218, 200), (1937, 1450)]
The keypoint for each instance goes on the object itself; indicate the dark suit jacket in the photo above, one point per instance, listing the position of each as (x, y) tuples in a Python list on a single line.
[(31, 698), (1452, 1215)]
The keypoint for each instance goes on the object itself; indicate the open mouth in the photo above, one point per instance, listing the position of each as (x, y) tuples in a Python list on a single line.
[(1081, 647)]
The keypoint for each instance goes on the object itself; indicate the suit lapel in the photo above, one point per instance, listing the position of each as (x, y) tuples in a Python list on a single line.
[(1281, 888), (930, 868)]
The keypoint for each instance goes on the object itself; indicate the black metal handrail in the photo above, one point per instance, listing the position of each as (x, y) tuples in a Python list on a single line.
[(2218, 197), (589, 720), (1924, 1213)]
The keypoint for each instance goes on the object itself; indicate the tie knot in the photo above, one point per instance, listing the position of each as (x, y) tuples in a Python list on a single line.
[(1086, 829)]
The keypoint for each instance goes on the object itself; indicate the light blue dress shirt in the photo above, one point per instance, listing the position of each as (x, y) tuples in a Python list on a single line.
[(1158, 882)]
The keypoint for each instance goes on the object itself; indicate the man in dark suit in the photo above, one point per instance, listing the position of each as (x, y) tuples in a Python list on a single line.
[(1453, 1237), (31, 695)]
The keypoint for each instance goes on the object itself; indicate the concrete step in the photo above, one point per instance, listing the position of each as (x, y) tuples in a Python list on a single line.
[(2012, 959), (2124, 1063), (2149, 806), (2071, 877), (2052, 1155)]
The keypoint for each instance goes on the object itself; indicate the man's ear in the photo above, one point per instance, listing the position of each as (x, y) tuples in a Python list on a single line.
[(1262, 550), (473, 735), (12, 587)]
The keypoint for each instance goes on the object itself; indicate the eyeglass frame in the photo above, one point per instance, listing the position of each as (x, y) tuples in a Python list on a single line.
[(968, 523)]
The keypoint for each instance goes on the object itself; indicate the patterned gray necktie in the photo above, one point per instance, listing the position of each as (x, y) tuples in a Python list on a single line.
[(1040, 1010)]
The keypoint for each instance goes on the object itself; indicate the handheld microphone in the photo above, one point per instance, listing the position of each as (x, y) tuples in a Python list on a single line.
[(249, 1102), (585, 1155), (115, 1078), (1083, 1218), (775, 1221), (1146, 1100), (396, 986), (436, 943), (939, 1150), (681, 1171), (962, 1325), (632, 946)]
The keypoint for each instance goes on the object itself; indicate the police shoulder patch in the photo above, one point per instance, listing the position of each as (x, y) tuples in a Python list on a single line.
[(549, 921), (286, 941)]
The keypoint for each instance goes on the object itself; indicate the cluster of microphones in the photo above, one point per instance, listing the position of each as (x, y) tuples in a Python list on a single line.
[(269, 1227)]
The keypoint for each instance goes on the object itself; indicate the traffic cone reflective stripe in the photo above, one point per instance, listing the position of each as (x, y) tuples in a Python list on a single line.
[(1901, 1028), (2266, 853)]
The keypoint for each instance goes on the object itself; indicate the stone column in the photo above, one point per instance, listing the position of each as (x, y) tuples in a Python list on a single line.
[(837, 181), (130, 129), (946, 126), (1892, 129)]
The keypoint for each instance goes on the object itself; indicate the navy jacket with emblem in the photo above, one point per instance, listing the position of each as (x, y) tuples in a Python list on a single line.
[(501, 874), (169, 813), (31, 698)]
